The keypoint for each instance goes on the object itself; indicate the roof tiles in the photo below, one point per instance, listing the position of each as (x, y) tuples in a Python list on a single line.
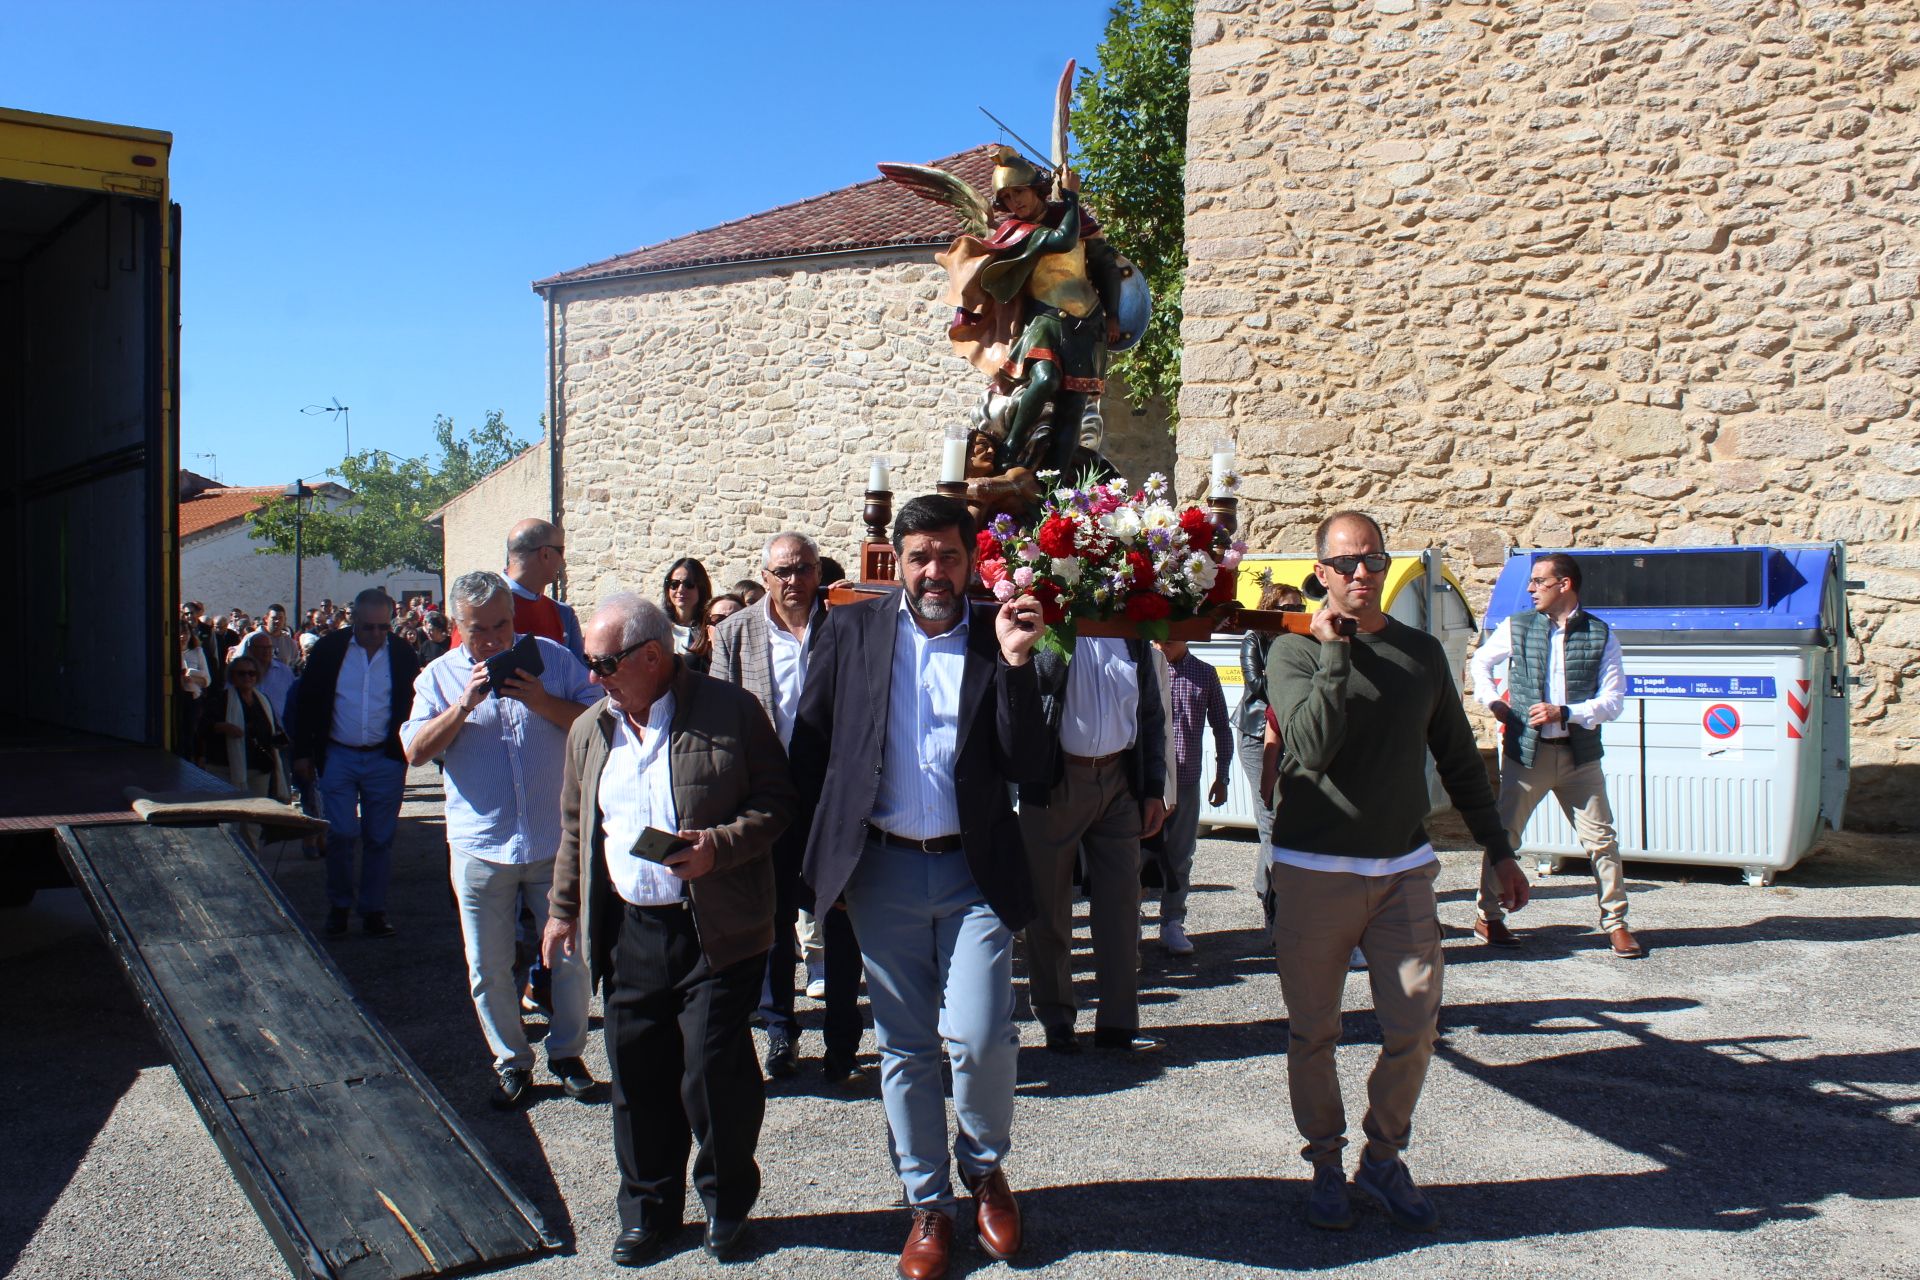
[(867, 215)]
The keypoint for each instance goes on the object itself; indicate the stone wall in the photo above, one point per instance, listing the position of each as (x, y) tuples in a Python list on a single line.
[(703, 411), (474, 526), (1603, 273)]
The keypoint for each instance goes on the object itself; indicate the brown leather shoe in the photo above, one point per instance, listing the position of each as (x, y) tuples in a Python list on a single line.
[(1495, 933), (1624, 944), (996, 1215), (928, 1246)]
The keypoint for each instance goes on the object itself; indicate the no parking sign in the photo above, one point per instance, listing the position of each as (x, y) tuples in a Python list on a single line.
[(1721, 732)]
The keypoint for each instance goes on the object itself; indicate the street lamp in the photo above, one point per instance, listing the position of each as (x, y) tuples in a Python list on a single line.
[(298, 490)]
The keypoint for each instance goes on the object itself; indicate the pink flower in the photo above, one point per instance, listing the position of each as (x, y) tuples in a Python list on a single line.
[(1023, 577), (1005, 590), (1231, 560)]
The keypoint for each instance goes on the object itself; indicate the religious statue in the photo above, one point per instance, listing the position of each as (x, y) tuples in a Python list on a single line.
[(1040, 298)]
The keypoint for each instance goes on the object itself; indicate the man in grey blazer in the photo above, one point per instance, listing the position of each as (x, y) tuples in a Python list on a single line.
[(766, 649)]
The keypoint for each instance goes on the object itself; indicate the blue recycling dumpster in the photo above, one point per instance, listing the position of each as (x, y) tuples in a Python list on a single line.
[(1733, 746)]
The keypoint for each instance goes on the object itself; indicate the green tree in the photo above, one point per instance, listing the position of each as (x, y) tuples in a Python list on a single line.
[(385, 524), (1130, 128)]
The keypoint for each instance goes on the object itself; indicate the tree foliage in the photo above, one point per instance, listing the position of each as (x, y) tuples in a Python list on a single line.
[(385, 523), (1130, 127)]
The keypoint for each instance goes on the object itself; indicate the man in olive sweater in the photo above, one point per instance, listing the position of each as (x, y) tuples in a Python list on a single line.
[(1359, 703)]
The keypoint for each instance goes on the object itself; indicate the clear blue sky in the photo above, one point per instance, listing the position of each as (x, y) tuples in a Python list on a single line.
[(368, 189)]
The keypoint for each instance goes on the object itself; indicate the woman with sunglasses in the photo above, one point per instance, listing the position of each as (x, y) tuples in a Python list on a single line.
[(722, 608), (243, 738), (685, 595)]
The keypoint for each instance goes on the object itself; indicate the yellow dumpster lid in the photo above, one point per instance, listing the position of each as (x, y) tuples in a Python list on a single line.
[(1406, 567)]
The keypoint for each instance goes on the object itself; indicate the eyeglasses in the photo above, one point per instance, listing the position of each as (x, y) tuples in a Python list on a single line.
[(680, 584), (1541, 582), (243, 675), (605, 664), (788, 572), (1376, 562)]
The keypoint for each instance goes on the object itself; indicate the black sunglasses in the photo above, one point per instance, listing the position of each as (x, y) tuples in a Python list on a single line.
[(1376, 562), (373, 626), (605, 664), (788, 572), (680, 584)]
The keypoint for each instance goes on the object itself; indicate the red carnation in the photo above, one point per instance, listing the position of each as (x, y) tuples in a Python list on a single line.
[(1142, 569), (991, 572), (1056, 537), (1199, 529), (1226, 586), (985, 545), (1147, 606), (1047, 593)]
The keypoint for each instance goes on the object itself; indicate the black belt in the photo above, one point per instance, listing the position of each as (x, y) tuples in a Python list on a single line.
[(668, 911), (1556, 742), (939, 844), (348, 746)]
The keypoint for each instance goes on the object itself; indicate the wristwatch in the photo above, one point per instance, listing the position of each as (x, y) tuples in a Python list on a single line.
[(1566, 716)]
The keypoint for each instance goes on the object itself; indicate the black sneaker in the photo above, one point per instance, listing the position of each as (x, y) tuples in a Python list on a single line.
[(1329, 1207), (781, 1063), (1392, 1186), (337, 922), (510, 1088), (573, 1076), (375, 925)]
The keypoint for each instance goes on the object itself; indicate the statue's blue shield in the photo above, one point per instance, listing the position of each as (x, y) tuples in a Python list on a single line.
[(1134, 308)]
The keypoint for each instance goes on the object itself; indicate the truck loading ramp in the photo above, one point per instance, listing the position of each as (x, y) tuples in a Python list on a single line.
[(357, 1166)]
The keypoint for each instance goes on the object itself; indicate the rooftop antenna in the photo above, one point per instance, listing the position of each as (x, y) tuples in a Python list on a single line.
[(339, 413), (216, 464)]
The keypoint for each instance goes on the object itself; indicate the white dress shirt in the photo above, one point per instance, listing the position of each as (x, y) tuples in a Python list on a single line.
[(1605, 704), (636, 792), (916, 799), (1102, 711), (787, 663), (363, 697)]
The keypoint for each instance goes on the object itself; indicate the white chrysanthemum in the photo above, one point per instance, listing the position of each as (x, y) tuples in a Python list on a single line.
[(1202, 570), (1068, 570), (1156, 485), (1123, 523), (1159, 515)]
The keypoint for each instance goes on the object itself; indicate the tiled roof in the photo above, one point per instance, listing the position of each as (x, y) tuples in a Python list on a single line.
[(867, 215), (218, 506)]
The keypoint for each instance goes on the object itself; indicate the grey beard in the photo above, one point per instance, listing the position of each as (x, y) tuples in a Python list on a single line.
[(935, 612)]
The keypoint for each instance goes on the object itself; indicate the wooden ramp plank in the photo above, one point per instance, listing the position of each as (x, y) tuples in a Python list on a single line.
[(357, 1166)]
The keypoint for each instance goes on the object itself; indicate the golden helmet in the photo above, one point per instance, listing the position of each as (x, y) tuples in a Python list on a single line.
[(1011, 169)]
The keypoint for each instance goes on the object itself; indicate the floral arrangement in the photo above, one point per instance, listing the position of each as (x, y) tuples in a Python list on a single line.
[(1098, 553)]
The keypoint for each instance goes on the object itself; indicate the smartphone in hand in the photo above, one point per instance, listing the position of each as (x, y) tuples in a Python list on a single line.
[(656, 845)]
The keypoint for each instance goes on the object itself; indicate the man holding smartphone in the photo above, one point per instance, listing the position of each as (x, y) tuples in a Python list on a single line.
[(504, 742), (1359, 702), (680, 945)]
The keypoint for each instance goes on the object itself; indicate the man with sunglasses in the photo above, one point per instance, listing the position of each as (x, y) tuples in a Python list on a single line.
[(1360, 702), (536, 557), (1564, 667), (674, 792), (765, 649), (354, 696)]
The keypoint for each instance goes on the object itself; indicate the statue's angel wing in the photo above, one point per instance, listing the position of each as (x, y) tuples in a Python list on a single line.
[(944, 188)]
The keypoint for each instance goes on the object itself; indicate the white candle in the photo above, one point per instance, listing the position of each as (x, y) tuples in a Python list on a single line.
[(953, 455), (877, 479), (1222, 468)]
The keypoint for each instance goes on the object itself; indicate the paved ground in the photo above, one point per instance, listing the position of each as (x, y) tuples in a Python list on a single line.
[(1745, 1102)]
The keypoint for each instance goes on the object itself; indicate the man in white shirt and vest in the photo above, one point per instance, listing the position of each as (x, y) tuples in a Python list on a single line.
[(1564, 680), (354, 696), (1109, 774)]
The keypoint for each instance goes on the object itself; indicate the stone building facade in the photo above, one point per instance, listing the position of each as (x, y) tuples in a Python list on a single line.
[(712, 390), (1600, 273)]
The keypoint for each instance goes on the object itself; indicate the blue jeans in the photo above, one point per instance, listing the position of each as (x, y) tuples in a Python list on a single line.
[(489, 895), (939, 969), (360, 792)]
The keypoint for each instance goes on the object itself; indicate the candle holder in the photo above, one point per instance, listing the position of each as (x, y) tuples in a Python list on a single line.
[(876, 553), (952, 489), (878, 513), (1224, 509)]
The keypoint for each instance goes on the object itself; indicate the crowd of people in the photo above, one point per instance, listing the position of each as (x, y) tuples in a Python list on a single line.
[(679, 802)]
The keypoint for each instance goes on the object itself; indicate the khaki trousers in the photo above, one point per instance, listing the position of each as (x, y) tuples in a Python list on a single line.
[(1319, 917), (1581, 790), (1092, 807)]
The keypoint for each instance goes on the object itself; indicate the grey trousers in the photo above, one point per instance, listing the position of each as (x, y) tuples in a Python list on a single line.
[(1179, 836), (1092, 807), (1250, 750)]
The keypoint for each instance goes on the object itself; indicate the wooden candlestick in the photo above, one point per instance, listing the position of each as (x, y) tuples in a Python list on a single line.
[(878, 513), (952, 489), (1225, 511), (876, 553)]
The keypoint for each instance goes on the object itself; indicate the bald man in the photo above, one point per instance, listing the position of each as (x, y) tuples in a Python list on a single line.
[(536, 557)]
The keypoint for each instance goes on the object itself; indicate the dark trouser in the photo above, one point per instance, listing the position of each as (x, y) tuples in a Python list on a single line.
[(842, 1026), (683, 1071)]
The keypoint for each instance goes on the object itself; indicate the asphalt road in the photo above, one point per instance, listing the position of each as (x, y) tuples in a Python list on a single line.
[(1743, 1102)]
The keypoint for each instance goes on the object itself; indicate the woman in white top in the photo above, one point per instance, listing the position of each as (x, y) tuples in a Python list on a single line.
[(685, 595)]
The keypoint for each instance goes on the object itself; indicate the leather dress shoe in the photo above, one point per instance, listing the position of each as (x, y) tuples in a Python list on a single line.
[(637, 1246), (1625, 945), (781, 1062), (337, 922), (1061, 1040), (511, 1088), (1121, 1040), (928, 1247), (1495, 933), (841, 1071), (996, 1215), (574, 1078), (725, 1237), (375, 925)]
